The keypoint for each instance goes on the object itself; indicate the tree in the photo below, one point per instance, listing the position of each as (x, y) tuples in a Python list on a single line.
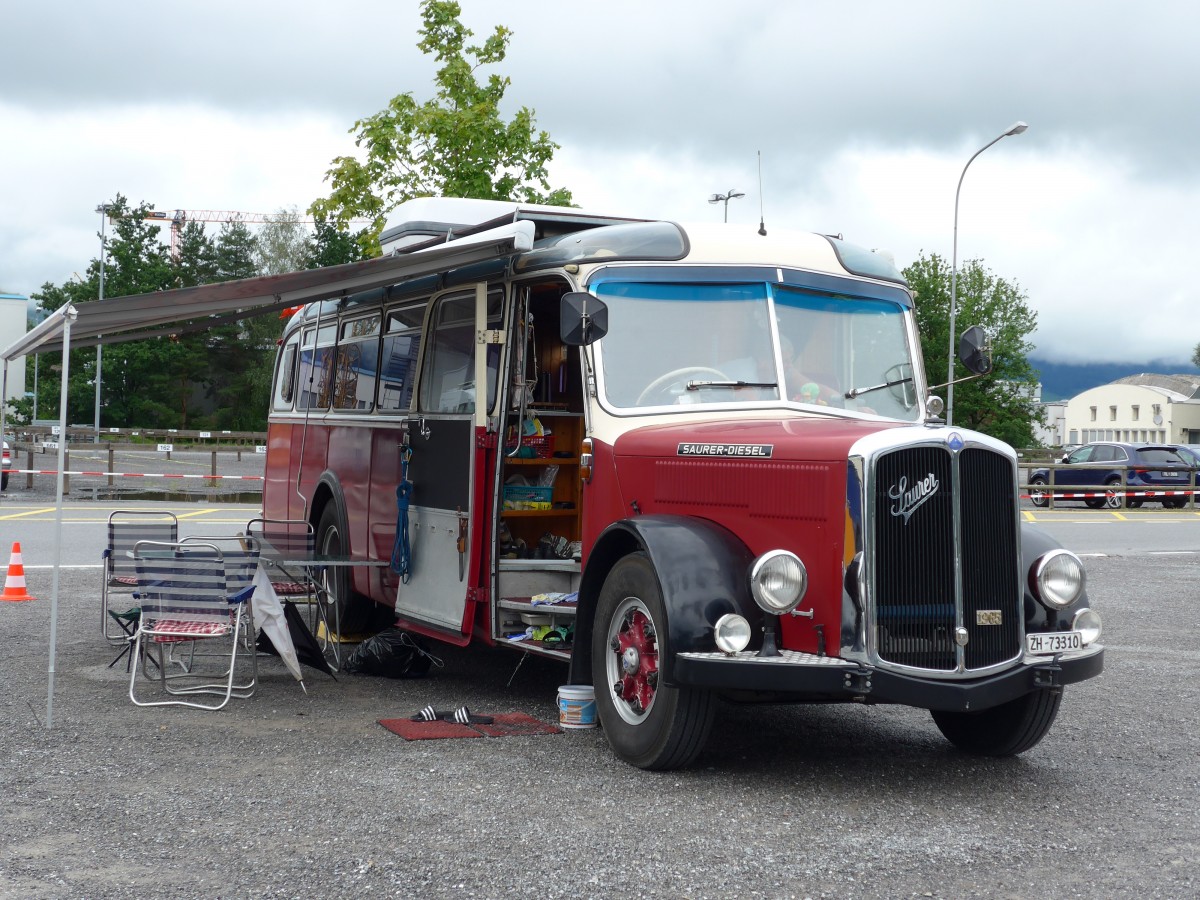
[(455, 145), (283, 244), (1001, 404)]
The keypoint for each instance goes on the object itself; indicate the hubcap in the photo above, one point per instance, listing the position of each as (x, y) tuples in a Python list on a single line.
[(633, 660)]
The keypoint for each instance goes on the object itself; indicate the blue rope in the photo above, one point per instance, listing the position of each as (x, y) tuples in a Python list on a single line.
[(402, 552)]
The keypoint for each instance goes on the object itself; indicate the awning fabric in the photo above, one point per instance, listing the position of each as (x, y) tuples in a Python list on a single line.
[(117, 319)]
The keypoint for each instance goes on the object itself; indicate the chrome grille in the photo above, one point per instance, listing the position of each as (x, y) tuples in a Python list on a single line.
[(915, 551)]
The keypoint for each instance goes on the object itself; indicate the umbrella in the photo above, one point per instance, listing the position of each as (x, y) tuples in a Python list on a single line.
[(304, 644)]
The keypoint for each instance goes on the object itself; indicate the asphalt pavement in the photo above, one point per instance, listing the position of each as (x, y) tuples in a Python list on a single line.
[(290, 794)]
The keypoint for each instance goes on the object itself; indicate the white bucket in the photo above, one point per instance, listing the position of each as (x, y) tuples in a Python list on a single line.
[(577, 706)]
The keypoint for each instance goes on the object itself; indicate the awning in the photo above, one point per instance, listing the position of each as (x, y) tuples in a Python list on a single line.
[(117, 319)]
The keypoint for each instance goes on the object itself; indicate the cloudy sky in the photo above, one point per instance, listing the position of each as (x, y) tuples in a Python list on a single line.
[(865, 114)]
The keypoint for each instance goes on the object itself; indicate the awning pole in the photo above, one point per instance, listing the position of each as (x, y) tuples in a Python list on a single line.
[(69, 316), (4, 406)]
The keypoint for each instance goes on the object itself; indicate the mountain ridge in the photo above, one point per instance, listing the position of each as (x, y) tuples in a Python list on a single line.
[(1062, 381)]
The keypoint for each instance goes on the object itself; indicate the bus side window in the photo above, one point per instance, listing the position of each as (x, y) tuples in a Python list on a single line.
[(398, 359), (448, 379), (285, 377), (357, 364), (316, 367)]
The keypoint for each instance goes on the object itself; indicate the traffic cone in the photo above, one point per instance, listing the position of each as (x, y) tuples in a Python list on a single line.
[(14, 584)]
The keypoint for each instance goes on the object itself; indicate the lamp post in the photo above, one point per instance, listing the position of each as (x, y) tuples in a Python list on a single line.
[(1016, 128), (103, 209), (730, 194)]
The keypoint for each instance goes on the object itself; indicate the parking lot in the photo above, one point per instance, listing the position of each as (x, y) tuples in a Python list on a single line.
[(292, 795)]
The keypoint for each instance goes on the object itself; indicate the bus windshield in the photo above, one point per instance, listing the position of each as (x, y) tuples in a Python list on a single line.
[(672, 344)]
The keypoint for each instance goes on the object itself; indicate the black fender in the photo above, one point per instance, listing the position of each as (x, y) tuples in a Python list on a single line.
[(1035, 542), (703, 571)]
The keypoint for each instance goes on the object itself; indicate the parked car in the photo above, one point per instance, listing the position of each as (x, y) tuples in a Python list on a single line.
[(6, 466), (1101, 465)]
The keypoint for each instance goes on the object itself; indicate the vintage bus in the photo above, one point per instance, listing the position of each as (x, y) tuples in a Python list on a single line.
[(692, 462)]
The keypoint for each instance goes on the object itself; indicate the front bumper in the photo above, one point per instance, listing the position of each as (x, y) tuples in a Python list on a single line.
[(806, 676)]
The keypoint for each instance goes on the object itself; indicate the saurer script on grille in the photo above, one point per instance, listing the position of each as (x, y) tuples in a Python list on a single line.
[(907, 500)]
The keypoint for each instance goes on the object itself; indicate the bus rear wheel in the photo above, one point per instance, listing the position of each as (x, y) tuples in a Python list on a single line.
[(353, 612), (649, 724)]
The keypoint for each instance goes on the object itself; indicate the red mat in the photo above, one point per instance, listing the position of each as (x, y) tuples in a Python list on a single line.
[(502, 725)]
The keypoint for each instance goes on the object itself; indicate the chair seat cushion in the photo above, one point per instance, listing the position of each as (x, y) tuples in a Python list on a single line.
[(290, 588), (180, 630)]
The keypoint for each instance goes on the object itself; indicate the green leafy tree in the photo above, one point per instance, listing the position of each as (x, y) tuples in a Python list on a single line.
[(454, 145), (1001, 404)]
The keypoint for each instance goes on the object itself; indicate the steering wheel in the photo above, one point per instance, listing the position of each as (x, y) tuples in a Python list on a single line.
[(659, 384)]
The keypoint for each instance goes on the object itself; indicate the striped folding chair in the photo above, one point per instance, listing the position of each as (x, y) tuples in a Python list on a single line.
[(289, 552), (125, 528), (183, 592)]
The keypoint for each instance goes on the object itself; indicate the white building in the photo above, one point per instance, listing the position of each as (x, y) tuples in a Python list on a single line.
[(14, 320), (1138, 408)]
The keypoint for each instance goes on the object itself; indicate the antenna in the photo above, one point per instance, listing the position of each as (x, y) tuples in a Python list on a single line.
[(762, 228)]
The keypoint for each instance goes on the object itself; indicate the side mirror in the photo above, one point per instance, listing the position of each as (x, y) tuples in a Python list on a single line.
[(975, 350), (583, 319)]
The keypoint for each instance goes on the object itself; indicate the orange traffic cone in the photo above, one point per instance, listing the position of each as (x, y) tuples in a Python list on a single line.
[(14, 584)]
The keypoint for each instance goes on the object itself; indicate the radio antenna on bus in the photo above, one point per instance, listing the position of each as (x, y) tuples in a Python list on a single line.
[(762, 228)]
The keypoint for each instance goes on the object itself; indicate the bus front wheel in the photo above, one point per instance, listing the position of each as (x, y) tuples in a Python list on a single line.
[(649, 724)]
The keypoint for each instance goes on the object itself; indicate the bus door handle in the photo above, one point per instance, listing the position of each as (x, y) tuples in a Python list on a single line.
[(421, 425)]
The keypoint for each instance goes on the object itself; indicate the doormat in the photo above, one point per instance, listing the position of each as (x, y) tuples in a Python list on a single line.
[(502, 725)]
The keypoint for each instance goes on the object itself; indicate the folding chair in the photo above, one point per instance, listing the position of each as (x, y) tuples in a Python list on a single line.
[(241, 555), (184, 597), (289, 550), (126, 528)]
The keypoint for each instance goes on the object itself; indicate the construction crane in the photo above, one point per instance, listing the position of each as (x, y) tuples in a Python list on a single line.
[(178, 218)]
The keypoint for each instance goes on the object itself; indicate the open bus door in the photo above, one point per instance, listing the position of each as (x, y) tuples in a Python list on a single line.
[(446, 467)]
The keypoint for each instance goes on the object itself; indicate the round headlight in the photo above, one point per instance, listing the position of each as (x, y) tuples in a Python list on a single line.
[(1087, 623), (778, 581), (732, 633), (1058, 578)]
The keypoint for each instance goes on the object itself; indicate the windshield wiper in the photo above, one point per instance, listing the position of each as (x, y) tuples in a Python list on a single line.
[(858, 392), (697, 385)]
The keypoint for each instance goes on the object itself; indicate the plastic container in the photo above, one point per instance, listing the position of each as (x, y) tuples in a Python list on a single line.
[(528, 496), (577, 706)]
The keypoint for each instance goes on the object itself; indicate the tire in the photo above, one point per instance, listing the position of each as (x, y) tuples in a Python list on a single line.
[(1113, 498), (1004, 730), (353, 611), (1037, 495), (1174, 502), (648, 724), (4, 482)]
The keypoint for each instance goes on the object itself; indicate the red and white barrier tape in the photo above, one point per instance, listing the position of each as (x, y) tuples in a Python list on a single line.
[(133, 474)]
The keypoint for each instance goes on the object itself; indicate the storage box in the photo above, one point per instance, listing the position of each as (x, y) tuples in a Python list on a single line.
[(520, 496), (534, 446)]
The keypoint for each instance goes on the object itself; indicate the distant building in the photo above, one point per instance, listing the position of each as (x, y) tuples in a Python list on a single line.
[(1151, 408), (14, 322)]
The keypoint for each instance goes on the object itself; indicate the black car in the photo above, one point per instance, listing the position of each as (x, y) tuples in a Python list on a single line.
[(1100, 466)]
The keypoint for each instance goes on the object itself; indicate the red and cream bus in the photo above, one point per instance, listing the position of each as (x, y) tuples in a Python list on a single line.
[(693, 462)]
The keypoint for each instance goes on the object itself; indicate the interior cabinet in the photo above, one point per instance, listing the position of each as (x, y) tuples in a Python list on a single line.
[(563, 518)]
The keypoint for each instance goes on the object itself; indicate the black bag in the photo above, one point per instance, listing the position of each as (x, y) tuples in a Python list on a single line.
[(393, 653)]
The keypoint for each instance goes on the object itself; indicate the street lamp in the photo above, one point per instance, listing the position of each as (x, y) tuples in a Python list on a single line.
[(1017, 128), (731, 194), (103, 209)]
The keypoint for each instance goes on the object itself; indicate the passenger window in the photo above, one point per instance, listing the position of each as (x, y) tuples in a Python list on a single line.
[(398, 358), (448, 376), (285, 376), (316, 367), (357, 364)]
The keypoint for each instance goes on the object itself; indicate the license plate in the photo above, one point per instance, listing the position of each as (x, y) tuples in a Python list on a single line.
[(1053, 642)]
